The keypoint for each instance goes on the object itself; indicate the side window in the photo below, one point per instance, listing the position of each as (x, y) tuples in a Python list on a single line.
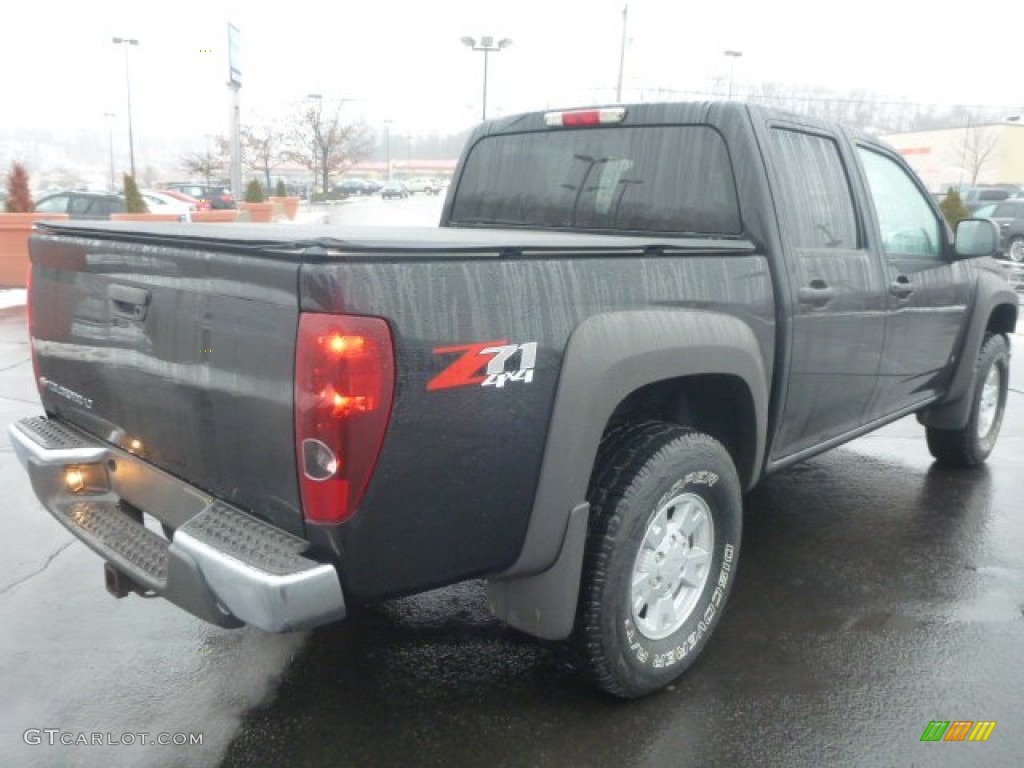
[(906, 220), (58, 204), (1007, 211), (815, 191), (81, 206)]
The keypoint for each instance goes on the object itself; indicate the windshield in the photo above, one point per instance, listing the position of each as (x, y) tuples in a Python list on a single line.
[(673, 179)]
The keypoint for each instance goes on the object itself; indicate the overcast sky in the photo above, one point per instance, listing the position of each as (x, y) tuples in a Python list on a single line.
[(402, 60)]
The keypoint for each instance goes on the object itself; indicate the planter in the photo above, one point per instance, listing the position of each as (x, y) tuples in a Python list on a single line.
[(260, 212), (145, 217), (290, 205), (14, 231), (214, 216)]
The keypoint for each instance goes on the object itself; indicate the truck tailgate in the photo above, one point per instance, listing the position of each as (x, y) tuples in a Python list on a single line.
[(183, 356)]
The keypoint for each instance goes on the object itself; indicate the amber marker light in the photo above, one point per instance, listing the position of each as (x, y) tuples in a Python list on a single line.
[(74, 479), (86, 479)]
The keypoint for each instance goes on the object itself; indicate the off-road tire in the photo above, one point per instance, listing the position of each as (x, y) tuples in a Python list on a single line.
[(970, 446), (645, 474)]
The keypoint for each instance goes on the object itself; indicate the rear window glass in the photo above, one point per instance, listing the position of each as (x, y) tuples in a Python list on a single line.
[(674, 179)]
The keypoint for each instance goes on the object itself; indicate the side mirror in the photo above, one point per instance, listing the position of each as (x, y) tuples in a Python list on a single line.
[(976, 237)]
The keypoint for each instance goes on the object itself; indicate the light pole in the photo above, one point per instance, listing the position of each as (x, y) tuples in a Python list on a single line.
[(127, 41), (733, 55), (487, 45), (110, 136), (387, 146), (622, 55), (318, 98)]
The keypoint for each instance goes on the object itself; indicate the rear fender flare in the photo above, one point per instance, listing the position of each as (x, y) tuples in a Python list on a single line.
[(608, 357)]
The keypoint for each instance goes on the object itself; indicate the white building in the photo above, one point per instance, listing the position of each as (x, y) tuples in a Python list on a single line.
[(991, 153)]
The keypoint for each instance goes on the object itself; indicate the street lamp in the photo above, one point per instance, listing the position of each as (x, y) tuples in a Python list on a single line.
[(127, 41), (733, 55), (387, 146), (110, 136), (488, 46)]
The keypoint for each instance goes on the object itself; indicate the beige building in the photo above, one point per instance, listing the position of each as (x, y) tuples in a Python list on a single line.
[(991, 153)]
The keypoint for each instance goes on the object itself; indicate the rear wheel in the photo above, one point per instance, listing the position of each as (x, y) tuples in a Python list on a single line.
[(666, 517), (971, 445)]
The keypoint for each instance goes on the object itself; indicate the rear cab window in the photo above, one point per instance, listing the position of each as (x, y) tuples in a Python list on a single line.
[(815, 190), (669, 179)]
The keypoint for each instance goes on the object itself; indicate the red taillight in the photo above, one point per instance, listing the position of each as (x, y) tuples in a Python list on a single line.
[(344, 388)]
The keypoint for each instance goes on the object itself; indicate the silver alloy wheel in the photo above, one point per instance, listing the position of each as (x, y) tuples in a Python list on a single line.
[(988, 407), (672, 565), (1017, 250)]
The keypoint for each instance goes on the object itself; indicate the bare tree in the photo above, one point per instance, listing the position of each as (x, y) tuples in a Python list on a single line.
[(205, 164), (325, 145), (263, 149), (977, 149)]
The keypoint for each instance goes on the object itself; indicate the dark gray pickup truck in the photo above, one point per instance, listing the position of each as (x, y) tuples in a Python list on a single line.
[(627, 317)]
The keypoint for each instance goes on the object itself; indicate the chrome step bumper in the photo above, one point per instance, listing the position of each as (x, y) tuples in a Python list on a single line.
[(221, 565)]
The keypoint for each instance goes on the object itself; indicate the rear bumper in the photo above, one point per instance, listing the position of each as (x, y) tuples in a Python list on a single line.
[(222, 564)]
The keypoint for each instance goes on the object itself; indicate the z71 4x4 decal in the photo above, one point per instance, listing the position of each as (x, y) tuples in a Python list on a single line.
[(487, 364)]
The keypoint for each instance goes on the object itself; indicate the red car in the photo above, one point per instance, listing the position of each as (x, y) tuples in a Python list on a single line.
[(218, 196), (196, 203)]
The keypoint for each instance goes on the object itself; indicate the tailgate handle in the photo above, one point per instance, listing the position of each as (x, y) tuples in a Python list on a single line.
[(129, 302)]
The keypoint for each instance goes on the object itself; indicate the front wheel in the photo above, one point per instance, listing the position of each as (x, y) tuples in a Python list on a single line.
[(971, 445), (664, 540), (1015, 250)]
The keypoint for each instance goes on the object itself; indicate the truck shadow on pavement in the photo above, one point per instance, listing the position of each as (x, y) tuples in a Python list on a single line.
[(850, 563)]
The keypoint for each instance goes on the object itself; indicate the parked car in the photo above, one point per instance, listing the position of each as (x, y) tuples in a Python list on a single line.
[(426, 186), (356, 187), (977, 197), (218, 195), (394, 189), (81, 205), (160, 202), (1009, 215), (198, 204)]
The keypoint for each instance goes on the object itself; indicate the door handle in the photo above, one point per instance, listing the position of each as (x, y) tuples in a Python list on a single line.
[(901, 287), (129, 302), (818, 293)]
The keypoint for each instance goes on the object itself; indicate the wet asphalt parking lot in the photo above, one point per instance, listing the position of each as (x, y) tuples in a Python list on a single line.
[(875, 593)]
